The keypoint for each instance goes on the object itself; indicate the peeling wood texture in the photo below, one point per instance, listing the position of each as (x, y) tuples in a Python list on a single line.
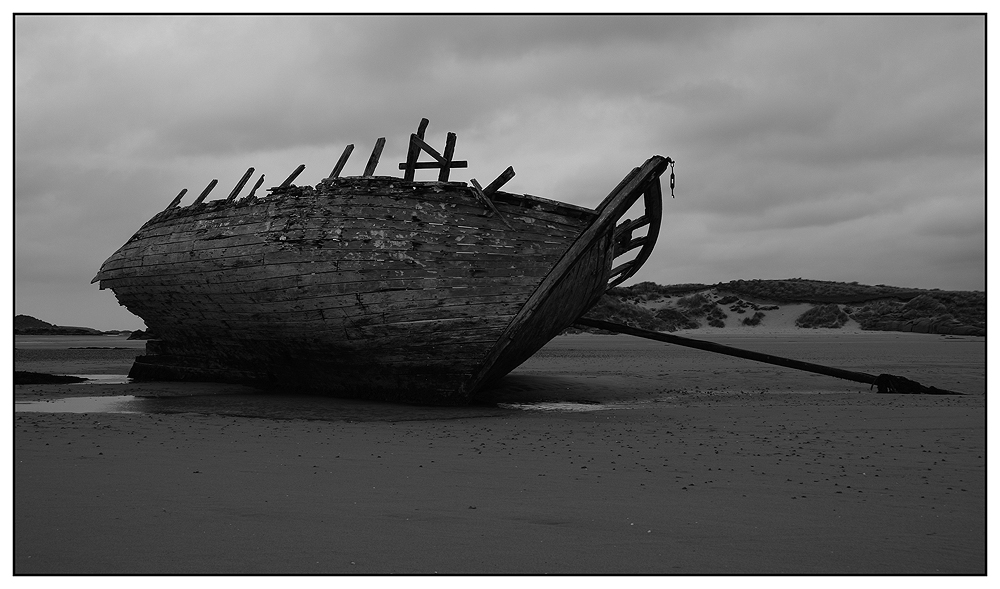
[(368, 286)]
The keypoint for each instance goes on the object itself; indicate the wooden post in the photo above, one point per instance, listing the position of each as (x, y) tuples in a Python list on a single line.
[(239, 185), (411, 159), (417, 144), (205, 192), (413, 152), (177, 199), (449, 151), (373, 160), (343, 160), (500, 181), (292, 176)]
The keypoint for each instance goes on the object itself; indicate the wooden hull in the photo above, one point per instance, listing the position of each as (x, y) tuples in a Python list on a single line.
[(369, 287)]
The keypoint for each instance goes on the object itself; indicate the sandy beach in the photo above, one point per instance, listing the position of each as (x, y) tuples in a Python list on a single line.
[(601, 454)]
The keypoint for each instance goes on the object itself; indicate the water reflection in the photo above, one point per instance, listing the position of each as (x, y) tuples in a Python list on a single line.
[(267, 406), (298, 407), (558, 406), (102, 378), (123, 404)]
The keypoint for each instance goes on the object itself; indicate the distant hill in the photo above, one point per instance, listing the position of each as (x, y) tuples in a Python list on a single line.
[(29, 322), (816, 304), (28, 325)]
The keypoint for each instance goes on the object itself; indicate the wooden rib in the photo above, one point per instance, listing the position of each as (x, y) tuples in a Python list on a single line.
[(373, 160), (413, 152), (619, 269), (342, 161), (411, 155), (623, 247), (631, 225), (478, 191), (291, 177), (253, 193), (239, 185), (653, 201), (500, 181), (204, 193), (177, 199)]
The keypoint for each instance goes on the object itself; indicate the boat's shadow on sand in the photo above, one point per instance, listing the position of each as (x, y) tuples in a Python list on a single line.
[(544, 388)]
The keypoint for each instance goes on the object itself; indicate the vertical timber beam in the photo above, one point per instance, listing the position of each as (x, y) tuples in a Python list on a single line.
[(449, 151), (414, 151), (373, 160)]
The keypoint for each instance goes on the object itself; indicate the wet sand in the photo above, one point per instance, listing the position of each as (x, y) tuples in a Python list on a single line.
[(670, 461)]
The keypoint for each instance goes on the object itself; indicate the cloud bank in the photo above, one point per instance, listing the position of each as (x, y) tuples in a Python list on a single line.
[(828, 147)]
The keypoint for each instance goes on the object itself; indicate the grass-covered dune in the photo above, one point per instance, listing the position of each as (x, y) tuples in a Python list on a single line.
[(816, 304)]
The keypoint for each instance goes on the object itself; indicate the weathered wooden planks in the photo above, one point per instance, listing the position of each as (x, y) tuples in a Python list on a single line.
[(426, 272), (217, 235), (451, 208), (373, 286)]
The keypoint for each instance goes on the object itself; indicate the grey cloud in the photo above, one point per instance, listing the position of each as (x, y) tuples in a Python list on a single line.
[(803, 143)]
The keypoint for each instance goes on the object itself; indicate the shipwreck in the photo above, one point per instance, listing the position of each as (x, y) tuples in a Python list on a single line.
[(372, 286)]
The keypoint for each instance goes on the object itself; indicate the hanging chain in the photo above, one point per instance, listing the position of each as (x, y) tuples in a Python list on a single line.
[(671, 178)]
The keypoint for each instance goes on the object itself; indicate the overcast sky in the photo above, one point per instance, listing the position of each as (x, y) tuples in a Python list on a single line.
[(829, 147)]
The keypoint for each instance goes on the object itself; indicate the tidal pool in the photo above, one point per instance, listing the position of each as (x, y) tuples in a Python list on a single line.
[(121, 404)]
